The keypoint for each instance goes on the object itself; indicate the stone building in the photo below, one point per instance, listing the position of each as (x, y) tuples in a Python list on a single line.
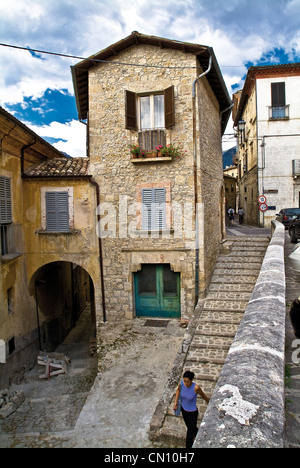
[(268, 108), (49, 259), (161, 217)]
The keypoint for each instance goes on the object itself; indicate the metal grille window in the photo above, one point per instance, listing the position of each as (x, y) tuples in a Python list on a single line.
[(149, 139), (154, 209), (5, 201), (57, 211)]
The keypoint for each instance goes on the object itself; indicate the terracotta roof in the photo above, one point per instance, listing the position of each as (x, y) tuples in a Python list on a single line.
[(60, 167)]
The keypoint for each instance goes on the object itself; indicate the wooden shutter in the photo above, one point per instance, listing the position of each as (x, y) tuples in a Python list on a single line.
[(5, 201), (278, 94), (57, 211), (154, 209), (146, 209), (130, 111), (169, 107), (159, 208)]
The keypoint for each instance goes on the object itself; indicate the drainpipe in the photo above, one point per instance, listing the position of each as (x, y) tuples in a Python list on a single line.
[(195, 173), (96, 185), (223, 201), (37, 310)]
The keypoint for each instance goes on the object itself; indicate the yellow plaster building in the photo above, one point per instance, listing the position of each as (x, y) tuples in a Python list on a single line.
[(49, 262)]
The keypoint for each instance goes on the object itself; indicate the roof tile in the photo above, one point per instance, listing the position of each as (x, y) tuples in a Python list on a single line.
[(60, 167)]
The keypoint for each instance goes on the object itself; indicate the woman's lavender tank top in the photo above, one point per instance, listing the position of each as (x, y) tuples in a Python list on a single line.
[(189, 397)]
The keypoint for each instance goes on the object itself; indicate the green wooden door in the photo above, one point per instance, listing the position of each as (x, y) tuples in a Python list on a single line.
[(157, 292)]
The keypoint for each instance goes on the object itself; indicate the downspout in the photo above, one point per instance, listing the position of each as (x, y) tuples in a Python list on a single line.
[(223, 216), (96, 185), (195, 175)]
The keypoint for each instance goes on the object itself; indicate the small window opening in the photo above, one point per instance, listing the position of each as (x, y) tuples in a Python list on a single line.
[(11, 345)]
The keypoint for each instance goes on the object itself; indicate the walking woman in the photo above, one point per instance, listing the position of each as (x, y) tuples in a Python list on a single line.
[(188, 391)]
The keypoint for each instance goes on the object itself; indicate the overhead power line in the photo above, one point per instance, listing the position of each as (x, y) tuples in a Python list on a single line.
[(57, 54)]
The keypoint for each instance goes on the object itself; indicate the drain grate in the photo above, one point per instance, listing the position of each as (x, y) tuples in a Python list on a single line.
[(156, 323)]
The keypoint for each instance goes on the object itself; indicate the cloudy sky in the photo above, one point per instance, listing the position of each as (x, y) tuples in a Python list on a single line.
[(38, 90)]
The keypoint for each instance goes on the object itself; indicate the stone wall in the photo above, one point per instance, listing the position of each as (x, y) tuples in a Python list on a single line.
[(125, 248), (247, 406)]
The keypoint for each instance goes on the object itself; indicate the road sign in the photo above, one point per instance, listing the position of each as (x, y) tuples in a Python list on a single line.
[(262, 199), (263, 207)]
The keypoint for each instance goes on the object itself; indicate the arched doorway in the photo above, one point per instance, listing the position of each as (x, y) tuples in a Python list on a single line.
[(63, 292)]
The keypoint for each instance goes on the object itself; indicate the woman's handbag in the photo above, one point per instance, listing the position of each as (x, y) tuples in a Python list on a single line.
[(178, 410)]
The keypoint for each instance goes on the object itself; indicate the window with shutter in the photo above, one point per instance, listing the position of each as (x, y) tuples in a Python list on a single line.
[(5, 201), (150, 111), (278, 109), (154, 209), (57, 211), (278, 94)]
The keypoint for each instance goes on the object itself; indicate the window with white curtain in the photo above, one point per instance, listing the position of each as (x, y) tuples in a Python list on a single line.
[(152, 111)]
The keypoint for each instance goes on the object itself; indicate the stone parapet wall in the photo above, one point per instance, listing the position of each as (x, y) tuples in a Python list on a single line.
[(247, 407)]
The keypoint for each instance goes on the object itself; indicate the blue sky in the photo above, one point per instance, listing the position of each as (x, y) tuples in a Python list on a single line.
[(38, 88)]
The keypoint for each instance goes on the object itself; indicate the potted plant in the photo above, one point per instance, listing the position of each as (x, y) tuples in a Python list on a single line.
[(171, 151), (158, 149), (136, 151)]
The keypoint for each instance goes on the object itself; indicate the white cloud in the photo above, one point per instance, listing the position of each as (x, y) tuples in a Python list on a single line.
[(71, 135), (238, 30)]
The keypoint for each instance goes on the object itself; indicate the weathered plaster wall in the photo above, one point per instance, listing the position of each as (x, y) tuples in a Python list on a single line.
[(247, 407), (30, 251)]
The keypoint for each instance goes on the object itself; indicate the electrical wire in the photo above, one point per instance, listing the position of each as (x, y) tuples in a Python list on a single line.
[(57, 54)]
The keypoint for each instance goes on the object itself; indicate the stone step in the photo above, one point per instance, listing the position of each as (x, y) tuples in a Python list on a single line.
[(216, 329), (218, 305), (195, 356), (240, 259), (245, 243), (229, 296), (231, 287), (257, 255), (238, 265), (248, 248), (241, 279), (222, 316), (211, 342), (265, 239), (203, 370), (236, 271), (208, 353)]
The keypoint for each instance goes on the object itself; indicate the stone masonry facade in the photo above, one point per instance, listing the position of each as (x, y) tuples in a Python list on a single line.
[(126, 248)]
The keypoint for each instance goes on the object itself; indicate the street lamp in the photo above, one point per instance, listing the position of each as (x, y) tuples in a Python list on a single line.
[(241, 127)]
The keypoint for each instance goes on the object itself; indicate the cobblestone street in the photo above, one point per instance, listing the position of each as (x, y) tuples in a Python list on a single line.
[(75, 410)]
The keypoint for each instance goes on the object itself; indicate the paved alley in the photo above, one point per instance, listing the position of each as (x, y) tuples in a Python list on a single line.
[(110, 410)]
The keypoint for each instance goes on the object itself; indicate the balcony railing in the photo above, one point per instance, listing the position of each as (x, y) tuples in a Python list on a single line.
[(149, 139), (279, 112)]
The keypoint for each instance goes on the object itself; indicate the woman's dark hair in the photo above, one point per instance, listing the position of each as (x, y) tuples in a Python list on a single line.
[(189, 375)]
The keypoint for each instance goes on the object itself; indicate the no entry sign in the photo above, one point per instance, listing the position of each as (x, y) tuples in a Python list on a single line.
[(262, 199)]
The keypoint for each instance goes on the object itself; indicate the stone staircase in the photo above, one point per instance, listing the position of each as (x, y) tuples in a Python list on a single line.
[(231, 286)]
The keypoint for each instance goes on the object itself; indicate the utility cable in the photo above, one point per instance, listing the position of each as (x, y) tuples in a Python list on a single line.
[(57, 54)]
